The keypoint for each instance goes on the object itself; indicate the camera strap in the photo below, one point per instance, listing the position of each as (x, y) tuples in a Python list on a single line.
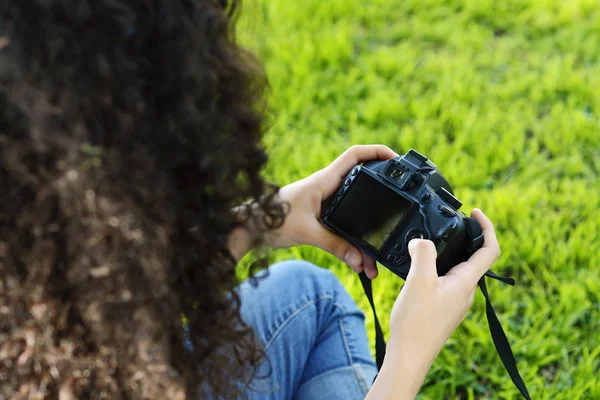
[(498, 336)]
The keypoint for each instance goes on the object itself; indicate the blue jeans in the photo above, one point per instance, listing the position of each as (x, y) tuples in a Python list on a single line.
[(314, 335)]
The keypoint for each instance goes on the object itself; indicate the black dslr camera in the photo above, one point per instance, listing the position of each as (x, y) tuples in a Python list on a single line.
[(382, 205)]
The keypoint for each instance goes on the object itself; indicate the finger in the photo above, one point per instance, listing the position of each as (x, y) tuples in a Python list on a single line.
[(370, 266), (485, 257), (338, 169), (489, 234), (324, 239), (482, 260), (423, 255)]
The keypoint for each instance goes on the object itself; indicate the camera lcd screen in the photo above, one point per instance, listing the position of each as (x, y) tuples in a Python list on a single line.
[(369, 211)]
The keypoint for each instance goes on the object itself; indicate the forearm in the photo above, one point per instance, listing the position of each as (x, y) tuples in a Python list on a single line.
[(253, 231), (401, 375), (246, 236), (240, 243)]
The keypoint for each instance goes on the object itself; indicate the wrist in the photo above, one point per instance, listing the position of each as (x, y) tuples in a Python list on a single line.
[(402, 374), (412, 361)]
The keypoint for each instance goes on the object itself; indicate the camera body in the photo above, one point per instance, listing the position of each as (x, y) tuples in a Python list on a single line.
[(382, 205)]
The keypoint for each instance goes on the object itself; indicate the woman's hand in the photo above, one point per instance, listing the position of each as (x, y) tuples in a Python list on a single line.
[(302, 224), (428, 310)]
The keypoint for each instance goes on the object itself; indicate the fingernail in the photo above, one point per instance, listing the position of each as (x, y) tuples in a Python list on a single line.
[(411, 245), (353, 259)]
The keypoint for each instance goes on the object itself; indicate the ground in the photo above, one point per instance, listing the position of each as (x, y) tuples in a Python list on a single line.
[(505, 98)]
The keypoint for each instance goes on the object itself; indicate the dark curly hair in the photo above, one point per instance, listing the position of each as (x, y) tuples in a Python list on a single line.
[(128, 131)]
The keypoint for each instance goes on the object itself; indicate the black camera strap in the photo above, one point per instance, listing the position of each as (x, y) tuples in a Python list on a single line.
[(379, 339), (498, 336)]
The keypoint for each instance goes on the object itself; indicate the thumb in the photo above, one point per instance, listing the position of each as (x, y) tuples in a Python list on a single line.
[(336, 245), (423, 255)]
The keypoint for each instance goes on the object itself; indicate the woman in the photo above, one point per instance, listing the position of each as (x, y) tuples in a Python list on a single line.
[(129, 131)]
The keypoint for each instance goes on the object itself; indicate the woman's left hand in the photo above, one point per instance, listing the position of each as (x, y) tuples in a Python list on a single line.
[(302, 224)]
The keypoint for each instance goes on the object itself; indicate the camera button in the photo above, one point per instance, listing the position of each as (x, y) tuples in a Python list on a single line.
[(446, 211), (341, 192), (326, 212), (354, 172), (414, 234), (401, 259), (398, 248), (347, 181), (391, 258), (334, 201), (426, 196)]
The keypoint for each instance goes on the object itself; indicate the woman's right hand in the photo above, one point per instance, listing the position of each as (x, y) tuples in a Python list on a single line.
[(427, 311)]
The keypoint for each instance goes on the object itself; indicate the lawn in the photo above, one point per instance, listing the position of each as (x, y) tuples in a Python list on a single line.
[(504, 96)]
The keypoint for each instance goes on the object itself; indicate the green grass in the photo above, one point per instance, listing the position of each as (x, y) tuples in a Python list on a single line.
[(504, 96)]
